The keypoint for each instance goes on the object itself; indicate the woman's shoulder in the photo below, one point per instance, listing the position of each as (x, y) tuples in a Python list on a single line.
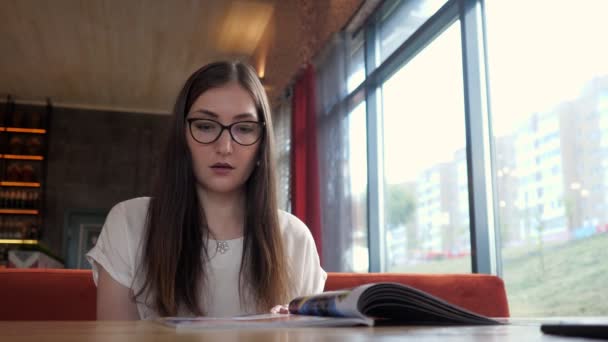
[(134, 205), (292, 228), (131, 213)]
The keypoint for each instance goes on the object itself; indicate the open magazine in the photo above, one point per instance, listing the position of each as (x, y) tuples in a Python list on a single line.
[(386, 303), (370, 304)]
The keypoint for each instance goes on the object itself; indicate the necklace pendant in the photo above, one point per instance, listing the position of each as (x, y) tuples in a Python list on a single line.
[(222, 247)]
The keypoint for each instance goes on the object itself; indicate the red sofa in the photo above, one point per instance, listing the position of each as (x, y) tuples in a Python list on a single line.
[(58, 294)]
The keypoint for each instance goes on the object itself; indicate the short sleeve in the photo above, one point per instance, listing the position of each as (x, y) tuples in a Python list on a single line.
[(313, 276), (306, 273), (112, 250)]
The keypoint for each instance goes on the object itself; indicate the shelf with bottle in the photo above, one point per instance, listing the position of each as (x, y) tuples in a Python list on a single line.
[(17, 228), (21, 145), (25, 172), (23, 154), (19, 198)]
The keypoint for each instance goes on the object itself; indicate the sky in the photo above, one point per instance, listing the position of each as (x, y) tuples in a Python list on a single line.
[(423, 105), (540, 53)]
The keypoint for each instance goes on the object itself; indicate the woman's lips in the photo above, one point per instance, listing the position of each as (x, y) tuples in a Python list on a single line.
[(223, 165), (222, 168)]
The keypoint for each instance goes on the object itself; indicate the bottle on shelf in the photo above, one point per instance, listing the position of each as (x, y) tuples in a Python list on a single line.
[(16, 144), (2, 230), (33, 145), (29, 200), (27, 173), (11, 199), (13, 172), (37, 199), (33, 231)]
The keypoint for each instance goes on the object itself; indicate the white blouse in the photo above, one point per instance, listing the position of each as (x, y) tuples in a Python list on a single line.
[(118, 251)]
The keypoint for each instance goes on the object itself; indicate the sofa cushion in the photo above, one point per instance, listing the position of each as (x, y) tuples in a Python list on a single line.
[(47, 294)]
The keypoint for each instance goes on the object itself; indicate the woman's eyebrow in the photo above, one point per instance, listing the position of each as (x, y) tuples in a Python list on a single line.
[(245, 116), (214, 115), (206, 112)]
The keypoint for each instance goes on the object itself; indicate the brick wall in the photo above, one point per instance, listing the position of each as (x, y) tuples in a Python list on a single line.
[(96, 159)]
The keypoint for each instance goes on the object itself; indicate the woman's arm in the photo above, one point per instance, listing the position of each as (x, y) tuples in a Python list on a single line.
[(114, 300)]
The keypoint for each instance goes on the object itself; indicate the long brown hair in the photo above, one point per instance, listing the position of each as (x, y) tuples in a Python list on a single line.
[(176, 228)]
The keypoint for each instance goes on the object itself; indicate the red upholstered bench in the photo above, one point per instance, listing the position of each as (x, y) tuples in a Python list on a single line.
[(49, 294), (480, 293)]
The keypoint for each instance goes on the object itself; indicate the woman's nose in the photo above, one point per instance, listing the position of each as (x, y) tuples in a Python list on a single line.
[(224, 143)]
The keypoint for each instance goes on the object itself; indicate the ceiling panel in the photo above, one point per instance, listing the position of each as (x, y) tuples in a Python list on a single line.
[(124, 55)]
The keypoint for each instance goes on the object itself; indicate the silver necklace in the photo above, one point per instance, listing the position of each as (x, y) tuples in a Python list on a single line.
[(222, 247)]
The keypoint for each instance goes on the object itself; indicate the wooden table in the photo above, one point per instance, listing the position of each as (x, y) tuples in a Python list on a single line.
[(150, 331)]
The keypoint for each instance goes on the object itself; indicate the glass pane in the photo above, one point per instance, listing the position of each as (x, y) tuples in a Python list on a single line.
[(400, 19), (343, 174), (282, 132), (549, 91), (425, 172), (357, 166), (356, 62)]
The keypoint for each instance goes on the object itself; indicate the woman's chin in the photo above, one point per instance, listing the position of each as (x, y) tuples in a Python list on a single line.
[(222, 187)]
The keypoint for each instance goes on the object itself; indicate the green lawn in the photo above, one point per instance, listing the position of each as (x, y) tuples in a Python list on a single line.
[(568, 280), (574, 280)]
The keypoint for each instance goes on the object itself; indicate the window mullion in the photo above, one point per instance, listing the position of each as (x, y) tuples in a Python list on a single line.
[(374, 157), (478, 135)]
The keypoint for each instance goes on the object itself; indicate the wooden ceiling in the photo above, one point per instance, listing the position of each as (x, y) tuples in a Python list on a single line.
[(122, 55)]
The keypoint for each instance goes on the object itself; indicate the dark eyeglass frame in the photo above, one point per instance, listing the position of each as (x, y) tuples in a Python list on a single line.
[(262, 125)]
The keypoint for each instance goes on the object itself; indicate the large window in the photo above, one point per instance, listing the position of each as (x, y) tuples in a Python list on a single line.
[(549, 85), (425, 168), (485, 124)]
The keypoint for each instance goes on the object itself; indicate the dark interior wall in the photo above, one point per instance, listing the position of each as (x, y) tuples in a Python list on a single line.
[(97, 159)]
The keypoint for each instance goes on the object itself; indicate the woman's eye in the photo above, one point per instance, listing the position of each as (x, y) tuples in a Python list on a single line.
[(205, 127), (245, 128)]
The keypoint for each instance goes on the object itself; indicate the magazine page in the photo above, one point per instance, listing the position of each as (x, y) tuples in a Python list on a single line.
[(349, 305), (402, 304), (257, 321), (342, 303)]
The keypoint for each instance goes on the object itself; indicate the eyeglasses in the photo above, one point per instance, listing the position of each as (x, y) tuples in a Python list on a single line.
[(243, 133)]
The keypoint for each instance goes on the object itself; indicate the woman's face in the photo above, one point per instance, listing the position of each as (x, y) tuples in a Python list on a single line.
[(223, 165)]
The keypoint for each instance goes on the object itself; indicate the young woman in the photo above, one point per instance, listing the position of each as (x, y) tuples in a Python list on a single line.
[(210, 241)]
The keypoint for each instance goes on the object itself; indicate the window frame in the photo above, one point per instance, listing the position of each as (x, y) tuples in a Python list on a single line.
[(479, 147)]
